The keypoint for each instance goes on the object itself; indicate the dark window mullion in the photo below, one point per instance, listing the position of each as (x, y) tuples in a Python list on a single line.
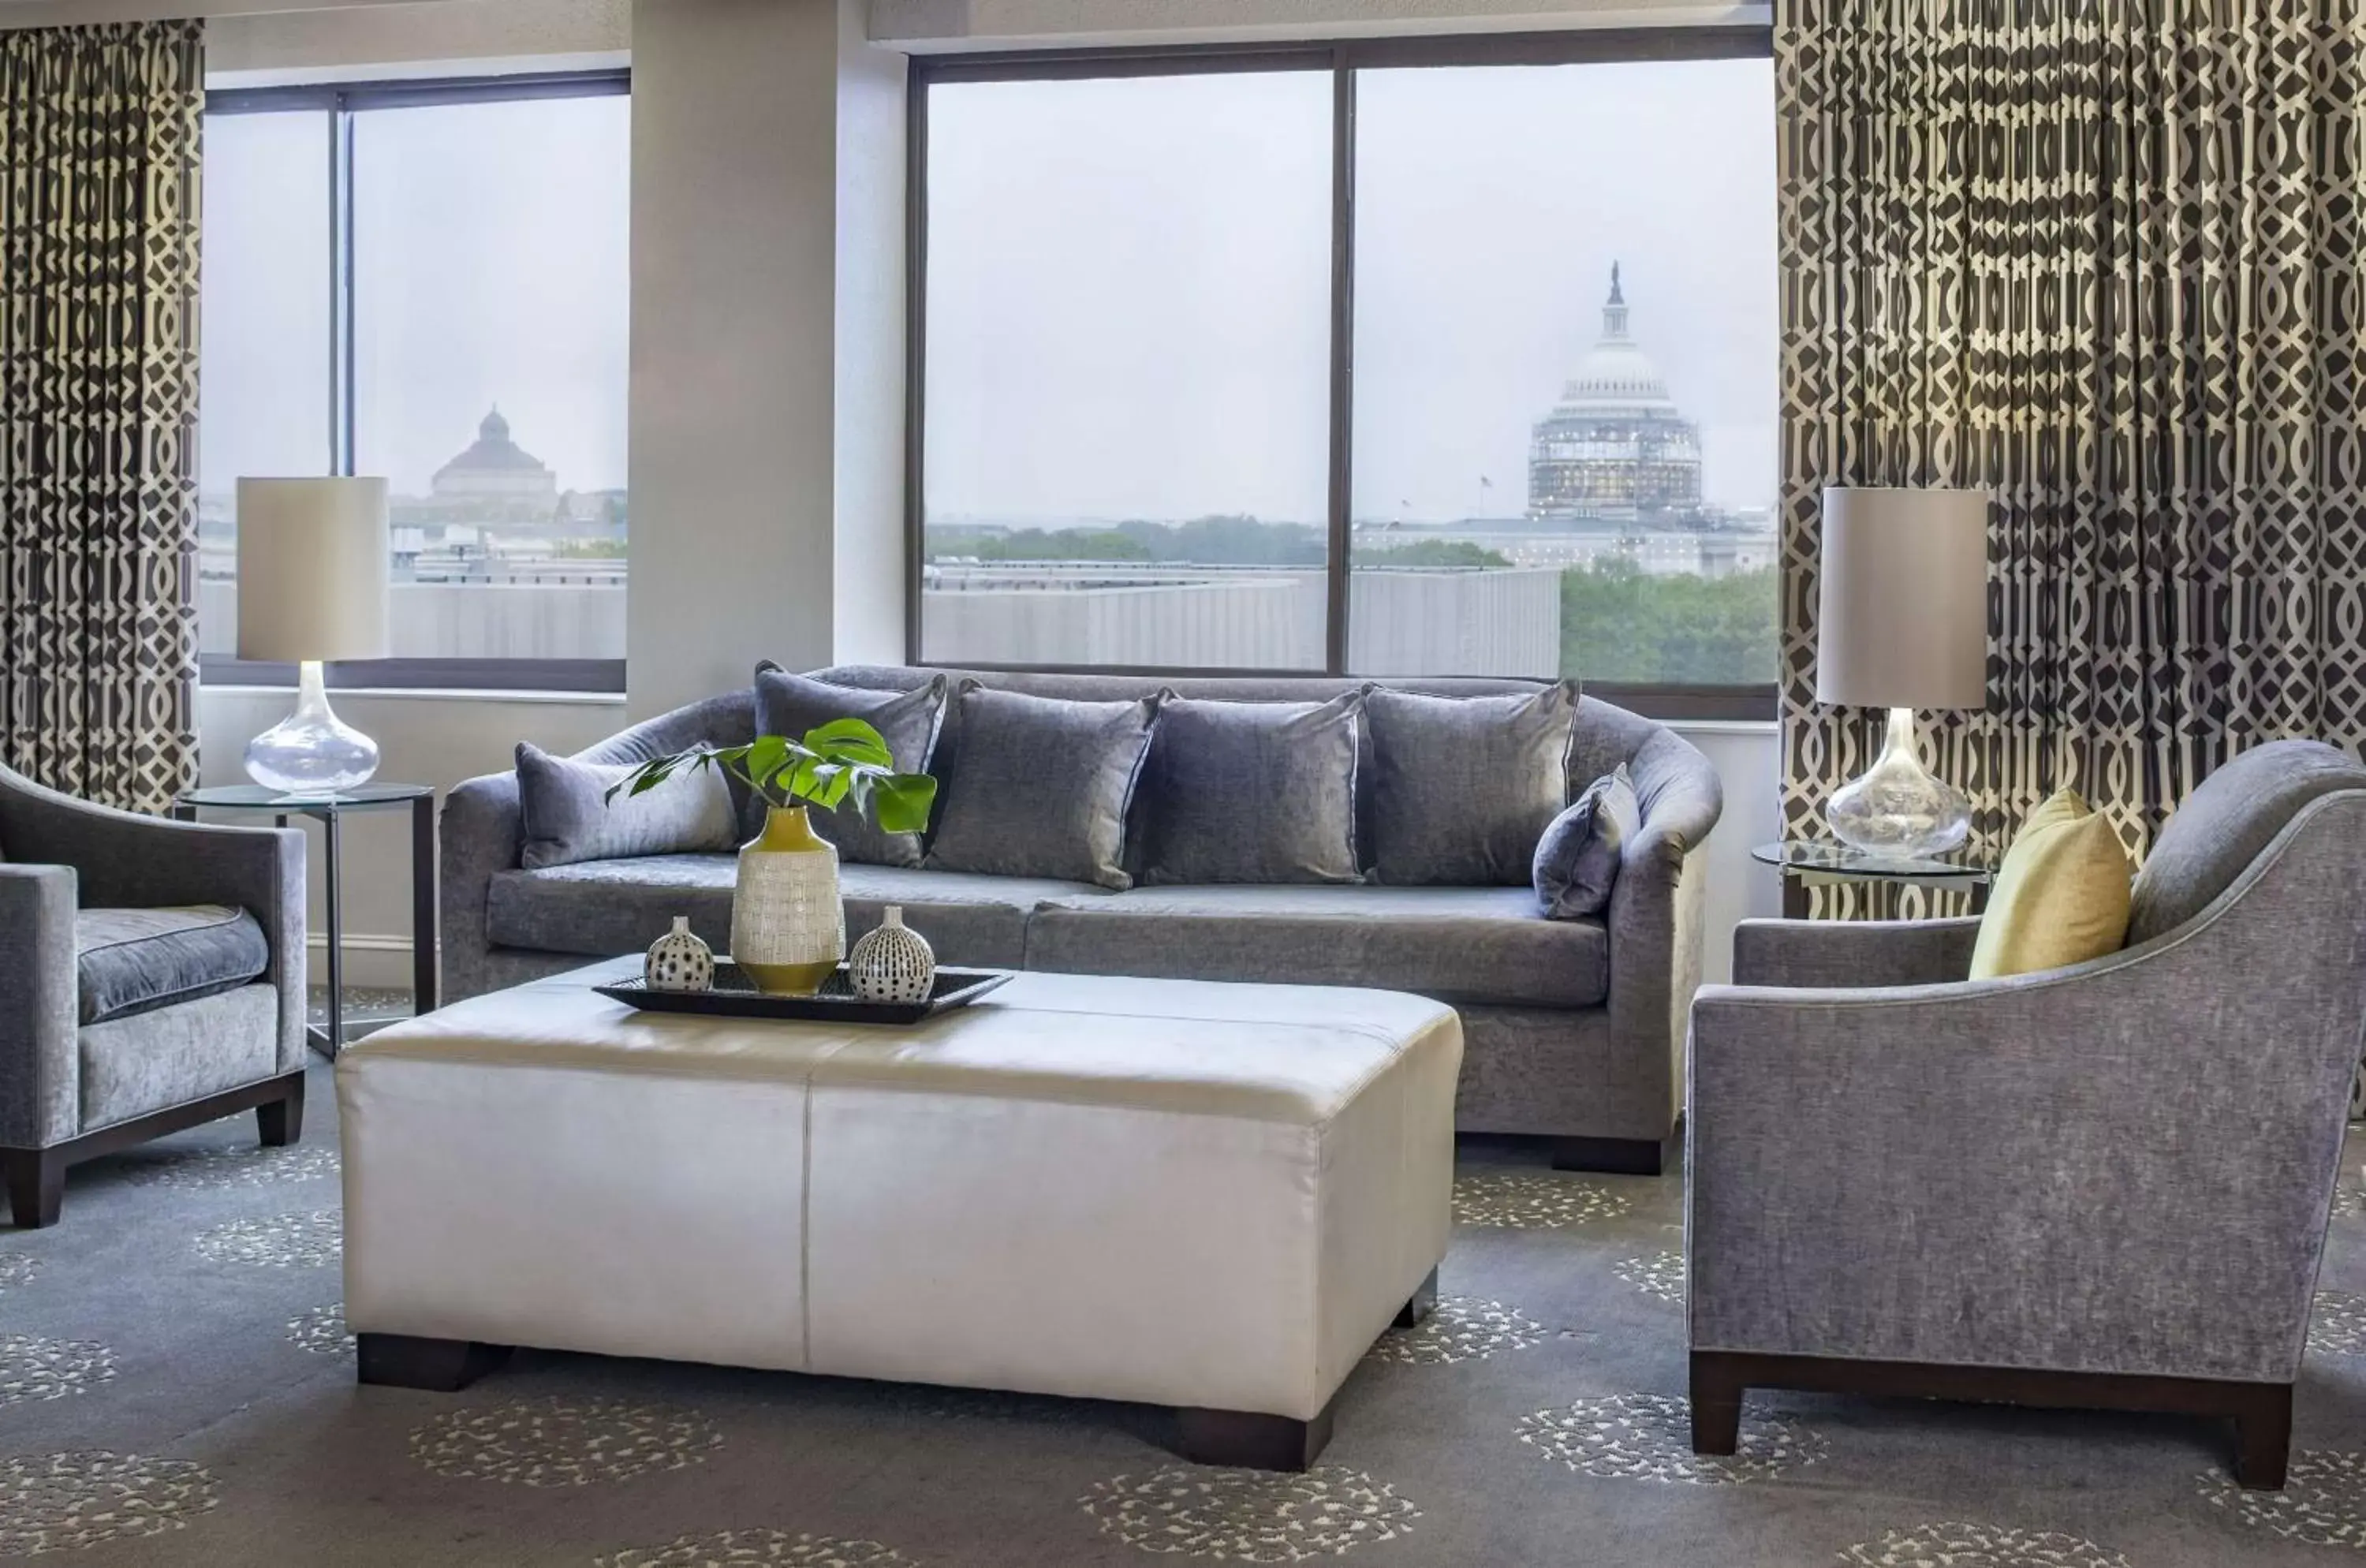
[(1343, 355), (340, 283)]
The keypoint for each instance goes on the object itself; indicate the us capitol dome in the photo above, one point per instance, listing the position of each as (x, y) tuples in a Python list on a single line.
[(1615, 449)]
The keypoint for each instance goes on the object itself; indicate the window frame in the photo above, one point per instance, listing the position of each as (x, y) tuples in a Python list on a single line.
[(340, 101), (1342, 58)]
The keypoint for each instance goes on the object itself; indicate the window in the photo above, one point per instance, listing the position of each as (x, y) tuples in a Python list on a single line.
[(263, 365), (1129, 372), (1314, 358), (429, 281)]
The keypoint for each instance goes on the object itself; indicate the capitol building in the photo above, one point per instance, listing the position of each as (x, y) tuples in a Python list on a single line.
[(1615, 449)]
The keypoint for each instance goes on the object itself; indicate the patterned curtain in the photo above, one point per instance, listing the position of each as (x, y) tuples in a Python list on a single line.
[(99, 140), (2101, 257)]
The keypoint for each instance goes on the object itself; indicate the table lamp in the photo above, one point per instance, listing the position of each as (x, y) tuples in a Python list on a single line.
[(1902, 624), (312, 571)]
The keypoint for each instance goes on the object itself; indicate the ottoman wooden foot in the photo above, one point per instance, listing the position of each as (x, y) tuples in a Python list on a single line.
[(1421, 1303), (1250, 1441), (441, 1366)]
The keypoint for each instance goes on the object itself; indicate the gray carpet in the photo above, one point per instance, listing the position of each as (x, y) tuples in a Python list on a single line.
[(176, 1388)]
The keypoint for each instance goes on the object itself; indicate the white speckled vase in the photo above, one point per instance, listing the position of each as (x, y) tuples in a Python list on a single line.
[(678, 961), (788, 929), (892, 963)]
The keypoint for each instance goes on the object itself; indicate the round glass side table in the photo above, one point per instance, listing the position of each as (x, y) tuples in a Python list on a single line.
[(328, 810), (1811, 863)]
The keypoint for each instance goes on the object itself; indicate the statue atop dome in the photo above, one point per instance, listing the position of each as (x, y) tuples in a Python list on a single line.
[(1615, 449)]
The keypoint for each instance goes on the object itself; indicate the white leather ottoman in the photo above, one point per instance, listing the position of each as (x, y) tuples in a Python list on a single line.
[(1211, 1197)]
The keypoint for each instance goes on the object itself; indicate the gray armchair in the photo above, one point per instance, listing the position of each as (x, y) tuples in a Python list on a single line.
[(151, 977), (2105, 1186)]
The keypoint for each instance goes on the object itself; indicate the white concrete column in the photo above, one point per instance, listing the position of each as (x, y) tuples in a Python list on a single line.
[(767, 342)]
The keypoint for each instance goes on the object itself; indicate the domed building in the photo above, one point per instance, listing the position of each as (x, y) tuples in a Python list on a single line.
[(1615, 449), (496, 466)]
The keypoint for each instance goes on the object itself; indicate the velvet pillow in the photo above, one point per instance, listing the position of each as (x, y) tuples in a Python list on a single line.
[(1577, 860), (1040, 787), (565, 816), (1250, 792), (1463, 787), (788, 703), (2061, 896)]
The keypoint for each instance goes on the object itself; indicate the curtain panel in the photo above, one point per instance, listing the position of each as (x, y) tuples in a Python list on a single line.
[(100, 131), (2102, 260)]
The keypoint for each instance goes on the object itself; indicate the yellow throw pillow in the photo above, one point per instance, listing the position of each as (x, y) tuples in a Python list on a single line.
[(2061, 896)]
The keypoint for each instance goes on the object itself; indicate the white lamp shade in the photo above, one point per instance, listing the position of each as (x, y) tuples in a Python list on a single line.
[(1903, 617), (312, 568)]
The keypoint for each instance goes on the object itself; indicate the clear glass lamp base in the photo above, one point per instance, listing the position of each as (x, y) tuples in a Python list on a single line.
[(312, 752), (1896, 810)]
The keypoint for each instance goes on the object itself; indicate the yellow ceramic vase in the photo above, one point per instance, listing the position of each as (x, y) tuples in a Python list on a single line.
[(788, 926)]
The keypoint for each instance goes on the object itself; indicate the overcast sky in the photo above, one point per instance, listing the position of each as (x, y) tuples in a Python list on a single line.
[(1128, 307), (1129, 282), (490, 265)]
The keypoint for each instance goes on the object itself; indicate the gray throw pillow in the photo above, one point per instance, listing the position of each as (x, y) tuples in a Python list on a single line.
[(1577, 860), (566, 817), (788, 704), (1250, 792), (1040, 787), (1463, 787)]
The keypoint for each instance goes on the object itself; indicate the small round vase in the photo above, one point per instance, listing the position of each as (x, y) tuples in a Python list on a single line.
[(788, 929), (678, 961), (892, 963)]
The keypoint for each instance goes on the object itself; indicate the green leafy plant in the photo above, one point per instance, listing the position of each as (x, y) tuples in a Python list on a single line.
[(841, 761)]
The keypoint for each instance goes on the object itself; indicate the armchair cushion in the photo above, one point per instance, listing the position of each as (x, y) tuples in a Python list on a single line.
[(135, 961)]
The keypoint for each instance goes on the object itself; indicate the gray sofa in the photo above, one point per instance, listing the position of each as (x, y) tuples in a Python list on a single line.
[(1575, 1029), (2106, 1185), (153, 979)]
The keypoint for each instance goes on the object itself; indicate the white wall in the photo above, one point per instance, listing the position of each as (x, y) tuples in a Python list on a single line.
[(1745, 757), (767, 342)]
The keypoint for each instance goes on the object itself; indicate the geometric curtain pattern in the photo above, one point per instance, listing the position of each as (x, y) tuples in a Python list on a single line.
[(100, 133), (2101, 259)]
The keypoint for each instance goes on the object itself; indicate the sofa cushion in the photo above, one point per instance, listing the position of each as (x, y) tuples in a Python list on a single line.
[(790, 705), (565, 814), (1042, 786), (603, 908), (1479, 944), (1250, 792), (1463, 787), (1577, 860), (135, 961)]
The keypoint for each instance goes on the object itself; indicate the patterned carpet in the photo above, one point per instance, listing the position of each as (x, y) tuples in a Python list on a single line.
[(176, 1387)]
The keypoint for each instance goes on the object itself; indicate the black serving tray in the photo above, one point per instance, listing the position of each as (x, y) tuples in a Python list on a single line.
[(736, 996)]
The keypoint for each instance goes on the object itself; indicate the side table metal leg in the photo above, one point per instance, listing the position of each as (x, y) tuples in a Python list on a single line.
[(335, 891), (1794, 898), (423, 904)]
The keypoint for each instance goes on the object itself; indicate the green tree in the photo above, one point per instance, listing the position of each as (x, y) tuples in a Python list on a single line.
[(1433, 552), (1619, 622)]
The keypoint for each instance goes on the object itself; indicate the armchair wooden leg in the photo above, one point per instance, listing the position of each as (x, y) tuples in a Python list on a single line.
[(281, 1122), (2263, 1437), (37, 1185), (1717, 1403)]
